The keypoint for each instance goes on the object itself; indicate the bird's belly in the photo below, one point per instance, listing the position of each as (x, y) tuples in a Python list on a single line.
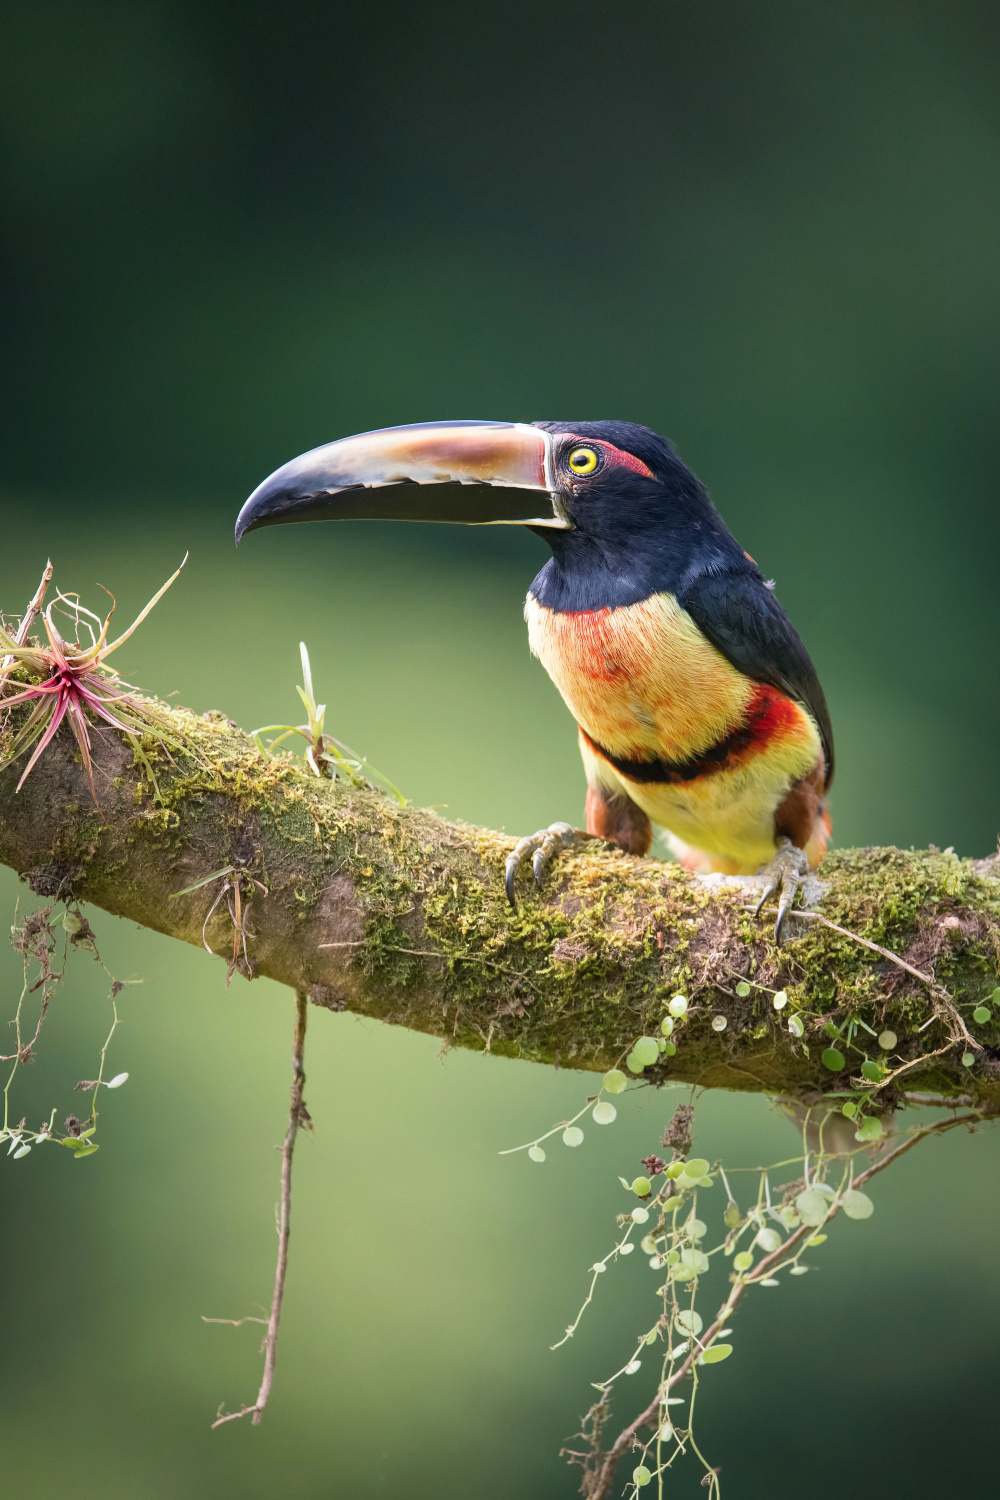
[(725, 817), (706, 752)]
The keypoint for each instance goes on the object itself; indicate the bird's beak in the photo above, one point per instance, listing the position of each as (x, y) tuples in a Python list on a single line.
[(477, 473)]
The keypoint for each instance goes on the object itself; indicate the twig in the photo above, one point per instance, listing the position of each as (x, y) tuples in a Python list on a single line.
[(234, 1323), (360, 942), (816, 916), (938, 1101), (31, 614), (937, 989), (297, 1117), (598, 1482)]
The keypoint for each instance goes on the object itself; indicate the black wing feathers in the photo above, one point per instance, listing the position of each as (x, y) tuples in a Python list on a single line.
[(743, 620)]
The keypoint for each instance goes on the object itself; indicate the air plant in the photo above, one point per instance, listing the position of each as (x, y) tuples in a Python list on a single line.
[(74, 684), (326, 755)]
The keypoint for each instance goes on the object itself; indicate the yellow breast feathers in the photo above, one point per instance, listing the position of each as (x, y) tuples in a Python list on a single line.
[(641, 680)]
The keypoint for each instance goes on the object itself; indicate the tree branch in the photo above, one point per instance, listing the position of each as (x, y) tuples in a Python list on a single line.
[(340, 893)]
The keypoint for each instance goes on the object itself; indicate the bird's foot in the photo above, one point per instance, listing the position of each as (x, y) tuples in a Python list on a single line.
[(785, 873), (541, 846)]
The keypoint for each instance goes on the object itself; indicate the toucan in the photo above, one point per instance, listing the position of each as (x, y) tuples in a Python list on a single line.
[(697, 706)]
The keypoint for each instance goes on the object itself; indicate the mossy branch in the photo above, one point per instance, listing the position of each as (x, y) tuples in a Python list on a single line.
[(395, 913)]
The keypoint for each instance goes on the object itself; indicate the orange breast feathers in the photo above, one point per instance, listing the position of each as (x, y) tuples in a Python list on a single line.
[(641, 681)]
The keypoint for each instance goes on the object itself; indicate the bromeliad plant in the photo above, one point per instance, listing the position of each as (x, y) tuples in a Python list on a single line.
[(325, 754), (74, 685)]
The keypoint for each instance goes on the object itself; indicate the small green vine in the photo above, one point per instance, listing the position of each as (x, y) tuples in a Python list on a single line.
[(763, 1243), (38, 938)]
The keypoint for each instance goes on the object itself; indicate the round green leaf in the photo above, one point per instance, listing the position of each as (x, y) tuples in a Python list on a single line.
[(995, 997), (795, 1026), (743, 1260), (719, 1022), (849, 1109), (968, 1058), (675, 1169), (646, 1050), (732, 1218), (690, 1321), (23, 1151), (678, 1006), (667, 1025), (716, 1353), (641, 1476), (87, 1150), (857, 1205), (695, 1229), (572, 1136), (669, 1049), (648, 1244), (615, 1082), (833, 1059), (743, 989), (869, 1129), (769, 1240), (871, 1071), (817, 1239), (696, 1168), (536, 1153), (780, 1000), (633, 1064), (641, 1187), (888, 1040), (695, 1261), (603, 1113), (982, 1014), (813, 1207), (640, 1215)]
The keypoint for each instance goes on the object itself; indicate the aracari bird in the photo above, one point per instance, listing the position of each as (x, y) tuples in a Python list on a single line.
[(697, 705)]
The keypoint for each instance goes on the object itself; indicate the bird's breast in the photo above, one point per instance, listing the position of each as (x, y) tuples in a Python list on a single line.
[(641, 680)]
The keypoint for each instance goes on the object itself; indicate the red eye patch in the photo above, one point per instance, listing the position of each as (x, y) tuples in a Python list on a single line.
[(618, 456)]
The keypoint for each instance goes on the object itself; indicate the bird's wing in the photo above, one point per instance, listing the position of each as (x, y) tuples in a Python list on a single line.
[(741, 617)]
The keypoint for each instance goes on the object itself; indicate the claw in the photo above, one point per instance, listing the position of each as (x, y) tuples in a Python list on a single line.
[(784, 873), (541, 846)]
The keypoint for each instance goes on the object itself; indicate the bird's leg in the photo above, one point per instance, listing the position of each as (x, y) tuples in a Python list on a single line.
[(541, 846), (785, 873)]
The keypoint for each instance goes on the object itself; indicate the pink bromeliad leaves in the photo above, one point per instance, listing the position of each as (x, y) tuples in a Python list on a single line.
[(75, 685)]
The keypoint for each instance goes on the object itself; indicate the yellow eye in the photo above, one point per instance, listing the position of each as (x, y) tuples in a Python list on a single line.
[(583, 461)]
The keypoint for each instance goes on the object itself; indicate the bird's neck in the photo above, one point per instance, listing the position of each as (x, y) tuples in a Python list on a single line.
[(589, 570)]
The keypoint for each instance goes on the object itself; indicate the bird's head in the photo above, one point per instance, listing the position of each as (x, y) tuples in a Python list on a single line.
[(604, 480)]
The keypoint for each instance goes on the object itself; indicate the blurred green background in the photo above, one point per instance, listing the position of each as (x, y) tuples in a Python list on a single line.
[(235, 231)]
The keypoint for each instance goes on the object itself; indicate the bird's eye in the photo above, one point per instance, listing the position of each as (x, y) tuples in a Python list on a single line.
[(583, 461)]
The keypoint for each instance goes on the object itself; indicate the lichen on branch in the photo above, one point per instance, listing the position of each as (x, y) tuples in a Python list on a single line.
[(398, 914)]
